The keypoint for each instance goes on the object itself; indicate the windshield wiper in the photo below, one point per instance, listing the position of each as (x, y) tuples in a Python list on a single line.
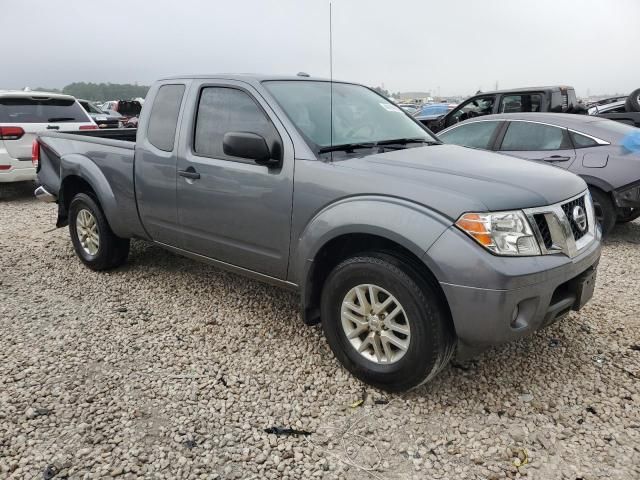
[(404, 141), (347, 147), (60, 119)]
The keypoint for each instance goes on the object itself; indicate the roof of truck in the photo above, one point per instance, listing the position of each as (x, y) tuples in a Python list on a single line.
[(247, 77)]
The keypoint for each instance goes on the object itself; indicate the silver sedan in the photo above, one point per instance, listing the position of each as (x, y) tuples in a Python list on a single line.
[(591, 147)]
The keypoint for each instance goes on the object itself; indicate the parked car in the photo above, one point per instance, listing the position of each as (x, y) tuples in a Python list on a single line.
[(559, 99), (588, 146), (25, 113), (621, 109), (401, 246), (129, 109), (101, 118), (430, 113)]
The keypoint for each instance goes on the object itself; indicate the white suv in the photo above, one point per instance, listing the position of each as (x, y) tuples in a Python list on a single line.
[(22, 115)]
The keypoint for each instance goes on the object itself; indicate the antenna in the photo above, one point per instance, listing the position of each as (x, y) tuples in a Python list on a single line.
[(330, 78)]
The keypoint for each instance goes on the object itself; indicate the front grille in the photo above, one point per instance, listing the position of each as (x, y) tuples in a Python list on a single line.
[(543, 227), (556, 228), (568, 211)]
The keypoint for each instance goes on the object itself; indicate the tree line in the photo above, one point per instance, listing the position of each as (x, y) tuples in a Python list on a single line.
[(102, 91)]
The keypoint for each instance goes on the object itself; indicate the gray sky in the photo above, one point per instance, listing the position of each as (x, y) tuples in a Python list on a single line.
[(456, 45)]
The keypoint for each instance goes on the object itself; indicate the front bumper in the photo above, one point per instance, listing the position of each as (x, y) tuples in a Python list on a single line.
[(497, 299)]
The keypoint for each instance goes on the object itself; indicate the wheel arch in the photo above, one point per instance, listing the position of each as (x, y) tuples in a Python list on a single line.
[(81, 175), (394, 226), (591, 181)]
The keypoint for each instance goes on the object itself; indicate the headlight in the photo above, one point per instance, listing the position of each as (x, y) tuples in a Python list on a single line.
[(504, 233)]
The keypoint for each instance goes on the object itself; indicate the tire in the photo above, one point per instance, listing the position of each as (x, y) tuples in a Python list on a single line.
[(626, 215), (605, 212), (431, 340), (632, 104), (109, 251)]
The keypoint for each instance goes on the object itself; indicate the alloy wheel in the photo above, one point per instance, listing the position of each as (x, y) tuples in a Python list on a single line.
[(375, 324), (87, 230)]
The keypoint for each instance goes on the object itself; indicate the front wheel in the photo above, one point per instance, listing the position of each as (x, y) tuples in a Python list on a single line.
[(93, 240), (385, 323)]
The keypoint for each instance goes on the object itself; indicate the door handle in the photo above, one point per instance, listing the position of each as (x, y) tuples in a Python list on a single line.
[(556, 158), (189, 173)]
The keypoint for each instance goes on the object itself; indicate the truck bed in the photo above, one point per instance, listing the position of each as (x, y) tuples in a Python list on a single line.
[(126, 134), (104, 159)]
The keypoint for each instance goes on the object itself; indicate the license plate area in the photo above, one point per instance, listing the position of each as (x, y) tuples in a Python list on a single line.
[(584, 286)]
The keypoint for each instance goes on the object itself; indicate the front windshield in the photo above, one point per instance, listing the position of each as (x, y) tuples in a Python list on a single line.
[(359, 114)]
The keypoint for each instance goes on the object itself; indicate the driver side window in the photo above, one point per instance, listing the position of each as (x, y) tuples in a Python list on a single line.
[(476, 107)]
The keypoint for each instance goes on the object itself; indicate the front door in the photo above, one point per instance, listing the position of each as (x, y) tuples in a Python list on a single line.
[(538, 141), (231, 209)]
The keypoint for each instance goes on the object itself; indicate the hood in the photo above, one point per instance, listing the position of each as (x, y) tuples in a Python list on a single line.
[(454, 180)]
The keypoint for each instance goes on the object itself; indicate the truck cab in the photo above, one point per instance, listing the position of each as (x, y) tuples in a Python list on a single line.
[(559, 99)]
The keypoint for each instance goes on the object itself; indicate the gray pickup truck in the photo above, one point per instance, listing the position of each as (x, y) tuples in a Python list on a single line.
[(403, 247)]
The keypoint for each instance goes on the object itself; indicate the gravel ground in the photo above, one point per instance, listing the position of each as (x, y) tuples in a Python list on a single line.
[(171, 369)]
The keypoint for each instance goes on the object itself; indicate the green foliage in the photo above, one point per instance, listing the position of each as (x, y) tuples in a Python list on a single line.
[(105, 91)]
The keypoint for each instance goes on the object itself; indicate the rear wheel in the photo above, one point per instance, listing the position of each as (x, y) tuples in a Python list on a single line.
[(93, 240), (605, 212), (385, 323)]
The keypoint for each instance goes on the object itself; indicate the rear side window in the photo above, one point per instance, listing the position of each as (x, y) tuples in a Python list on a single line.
[(41, 110), (534, 136), (527, 102), (222, 110), (582, 141), (164, 117), (474, 134)]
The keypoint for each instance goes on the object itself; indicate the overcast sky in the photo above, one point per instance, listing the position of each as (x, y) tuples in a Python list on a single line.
[(458, 46)]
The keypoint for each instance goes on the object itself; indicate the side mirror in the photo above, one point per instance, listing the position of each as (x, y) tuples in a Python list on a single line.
[(248, 145)]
